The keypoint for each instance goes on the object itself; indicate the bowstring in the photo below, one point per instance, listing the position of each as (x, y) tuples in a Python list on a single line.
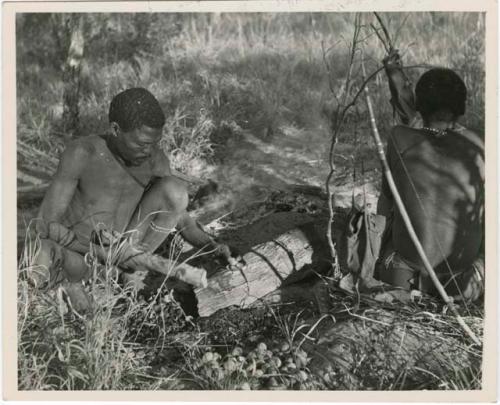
[(420, 202)]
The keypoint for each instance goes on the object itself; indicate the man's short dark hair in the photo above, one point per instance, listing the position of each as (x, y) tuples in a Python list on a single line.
[(134, 108), (440, 90)]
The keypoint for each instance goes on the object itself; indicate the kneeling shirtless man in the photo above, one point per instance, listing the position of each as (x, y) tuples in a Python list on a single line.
[(120, 181), (439, 172)]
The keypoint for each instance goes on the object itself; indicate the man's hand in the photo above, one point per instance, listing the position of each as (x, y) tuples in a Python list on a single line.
[(402, 97), (118, 246), (392, 60), (56, 232), (229, 253)]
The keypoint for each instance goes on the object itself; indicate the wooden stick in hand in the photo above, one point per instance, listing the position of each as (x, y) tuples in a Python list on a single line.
[(119, 251)]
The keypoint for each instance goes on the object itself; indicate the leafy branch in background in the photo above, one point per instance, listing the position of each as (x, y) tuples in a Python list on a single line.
[(337, 122), (338, 119)]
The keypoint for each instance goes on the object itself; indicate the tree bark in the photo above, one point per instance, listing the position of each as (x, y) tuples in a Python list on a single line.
[(71, 77), (277, 250)]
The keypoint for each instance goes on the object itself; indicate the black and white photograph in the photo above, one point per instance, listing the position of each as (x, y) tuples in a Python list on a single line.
[(250, 201)]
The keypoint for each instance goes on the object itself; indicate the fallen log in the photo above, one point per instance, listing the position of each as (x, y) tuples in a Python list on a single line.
[(31, 194), (31, 184), (277, 250)]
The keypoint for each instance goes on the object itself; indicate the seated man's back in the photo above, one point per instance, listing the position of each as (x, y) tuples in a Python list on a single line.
[(440, 179), (439, 174)]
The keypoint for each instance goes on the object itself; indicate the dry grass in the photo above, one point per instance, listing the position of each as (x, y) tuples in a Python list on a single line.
[(104, 349)]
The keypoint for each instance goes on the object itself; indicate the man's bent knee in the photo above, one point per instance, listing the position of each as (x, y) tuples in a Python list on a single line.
[(469, 285), (174, 193)]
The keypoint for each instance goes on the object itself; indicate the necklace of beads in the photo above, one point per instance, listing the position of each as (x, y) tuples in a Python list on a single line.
[(438, 133)]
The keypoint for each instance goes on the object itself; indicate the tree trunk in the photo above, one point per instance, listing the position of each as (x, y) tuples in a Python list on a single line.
[(279, 249), (71, 76)]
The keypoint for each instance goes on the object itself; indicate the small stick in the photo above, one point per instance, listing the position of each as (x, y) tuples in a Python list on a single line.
[(387, 36), (382, 41), (185, 177), (131, 257), (406, 218)]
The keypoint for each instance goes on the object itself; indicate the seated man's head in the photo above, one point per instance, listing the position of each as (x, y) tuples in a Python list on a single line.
[(440, 95), (136, 121)]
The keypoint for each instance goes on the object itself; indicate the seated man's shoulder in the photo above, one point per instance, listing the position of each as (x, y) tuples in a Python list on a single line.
[(403, 137), (82, 147), (405, 132), (78, 154), (471, 136)]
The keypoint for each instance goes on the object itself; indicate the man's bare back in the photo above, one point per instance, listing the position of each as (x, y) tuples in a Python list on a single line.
[(440, 181), (439, 173)]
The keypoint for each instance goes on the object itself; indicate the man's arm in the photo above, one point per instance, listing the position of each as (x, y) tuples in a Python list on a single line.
[(190, 229), (194, 234), (403, 102), (60, 193), (401, 88)]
